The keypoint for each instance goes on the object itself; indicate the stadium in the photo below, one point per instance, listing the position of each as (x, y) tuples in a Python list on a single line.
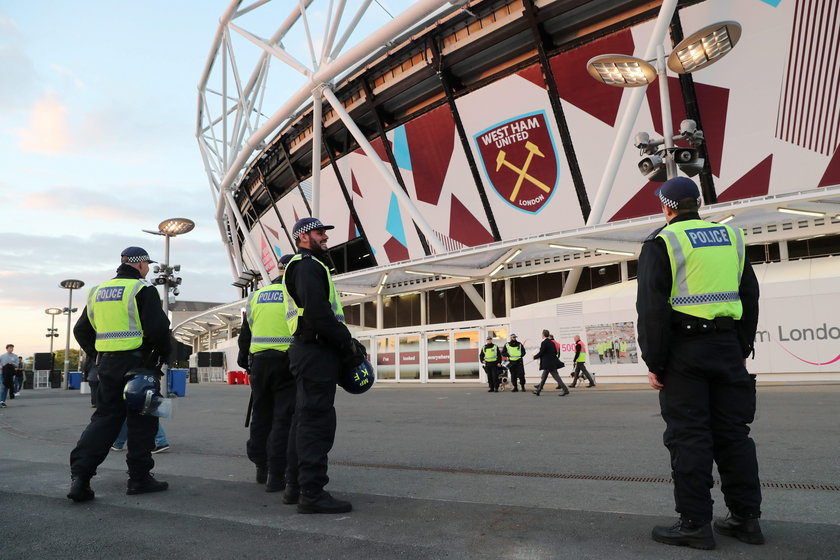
[(485, 176)]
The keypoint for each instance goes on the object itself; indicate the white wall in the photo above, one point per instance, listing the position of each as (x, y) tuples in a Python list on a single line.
[(799, 326)]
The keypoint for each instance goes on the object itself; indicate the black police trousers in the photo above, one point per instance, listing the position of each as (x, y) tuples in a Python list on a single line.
[(107, 420), (316, 368), (273, 398), (492, 369), (708, 402), (517, 373)]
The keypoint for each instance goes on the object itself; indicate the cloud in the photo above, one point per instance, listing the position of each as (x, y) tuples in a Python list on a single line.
[(48, 131)]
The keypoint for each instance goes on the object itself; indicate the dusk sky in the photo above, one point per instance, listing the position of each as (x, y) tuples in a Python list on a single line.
[(97, 143)]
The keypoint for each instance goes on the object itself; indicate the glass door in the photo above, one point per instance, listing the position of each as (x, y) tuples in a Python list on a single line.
[(438, 357)]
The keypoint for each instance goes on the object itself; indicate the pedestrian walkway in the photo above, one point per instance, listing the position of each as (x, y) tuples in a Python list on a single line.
[(433, 472)]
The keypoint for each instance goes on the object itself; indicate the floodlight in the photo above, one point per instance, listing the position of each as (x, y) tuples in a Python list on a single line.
[(621, 70), (176, 226), (704, 47)]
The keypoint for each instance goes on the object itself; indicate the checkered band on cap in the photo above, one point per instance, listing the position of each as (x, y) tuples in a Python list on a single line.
[(306, 225), (136, 255), (676, 189)]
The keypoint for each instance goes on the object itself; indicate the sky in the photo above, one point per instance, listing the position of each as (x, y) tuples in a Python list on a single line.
[(97, 143)]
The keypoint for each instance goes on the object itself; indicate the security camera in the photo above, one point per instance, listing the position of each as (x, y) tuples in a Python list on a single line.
[(177, 268), (156, 269), (642, 140), (688, 127), (176, 292), (653, 168)]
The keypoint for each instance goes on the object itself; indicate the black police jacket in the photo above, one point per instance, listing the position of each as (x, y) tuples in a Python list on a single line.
[(307, 283), (155, 323), (656, 314)]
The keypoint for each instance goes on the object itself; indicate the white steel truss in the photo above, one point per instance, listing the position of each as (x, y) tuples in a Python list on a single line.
[(232, 127)]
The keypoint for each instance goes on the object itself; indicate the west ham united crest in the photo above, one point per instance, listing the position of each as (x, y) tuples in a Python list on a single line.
[(520, 161)]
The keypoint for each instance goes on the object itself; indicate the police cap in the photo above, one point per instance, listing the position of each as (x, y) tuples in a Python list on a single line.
[(674, 190), (136, 255), (305, 225)]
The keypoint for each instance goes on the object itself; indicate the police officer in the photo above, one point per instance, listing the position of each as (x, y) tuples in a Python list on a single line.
[(698, 313), (514, 351), (124, 326), (321, 347), (263, 350), (489, 357), (580, 363)]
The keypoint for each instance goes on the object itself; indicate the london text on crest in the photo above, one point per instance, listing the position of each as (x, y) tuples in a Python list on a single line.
[(520, 161)]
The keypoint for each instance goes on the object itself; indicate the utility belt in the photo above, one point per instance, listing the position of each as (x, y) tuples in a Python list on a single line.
[(270, 352), (689, 325), (121, 354)]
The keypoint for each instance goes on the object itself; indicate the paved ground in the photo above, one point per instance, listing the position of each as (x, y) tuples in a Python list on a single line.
[(433, 472)]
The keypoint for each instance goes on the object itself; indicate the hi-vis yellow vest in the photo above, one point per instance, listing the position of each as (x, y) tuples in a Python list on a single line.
[(582, 356), (707, 261), (266, 315), (295, 312), (514, 352), (491, 354), (112, 311)]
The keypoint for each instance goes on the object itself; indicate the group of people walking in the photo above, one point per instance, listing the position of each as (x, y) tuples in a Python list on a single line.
[(492, 357)]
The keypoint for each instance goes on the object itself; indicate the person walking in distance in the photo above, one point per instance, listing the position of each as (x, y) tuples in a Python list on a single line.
[(489, 356), (321, 348), (698, 313), (549, 362), (124, 325), (8, 366), (514, 352), (580, 363), (263, 350)]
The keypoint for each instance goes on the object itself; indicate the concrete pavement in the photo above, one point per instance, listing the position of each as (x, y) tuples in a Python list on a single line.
[(433, 472)]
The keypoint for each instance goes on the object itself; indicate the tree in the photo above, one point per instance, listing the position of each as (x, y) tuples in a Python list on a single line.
[(74, 360)]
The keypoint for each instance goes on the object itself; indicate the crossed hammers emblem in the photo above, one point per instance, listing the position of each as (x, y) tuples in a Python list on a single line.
[(533, 150)]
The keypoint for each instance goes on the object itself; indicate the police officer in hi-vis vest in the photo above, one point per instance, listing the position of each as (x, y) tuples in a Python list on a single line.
[(489, 356), (514, 351), (124, 326), (321, 347), (580, 364), (263, 350), (698, 314)]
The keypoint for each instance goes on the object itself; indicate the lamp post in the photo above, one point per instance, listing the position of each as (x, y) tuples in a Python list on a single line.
[(170, 228), (700, 49), (696, 51), (69, 310), (52, 332)]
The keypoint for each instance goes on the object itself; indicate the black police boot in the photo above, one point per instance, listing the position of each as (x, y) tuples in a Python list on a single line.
[(686, 533), (276, 482), (322, 503), (145, 485), (291, 495), (564, 393), (537, 392), (745, 529), (515, 390), (80, 490), (262, 475)]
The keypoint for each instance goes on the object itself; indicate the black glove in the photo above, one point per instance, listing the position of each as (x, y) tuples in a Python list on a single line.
[(353, 354)]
